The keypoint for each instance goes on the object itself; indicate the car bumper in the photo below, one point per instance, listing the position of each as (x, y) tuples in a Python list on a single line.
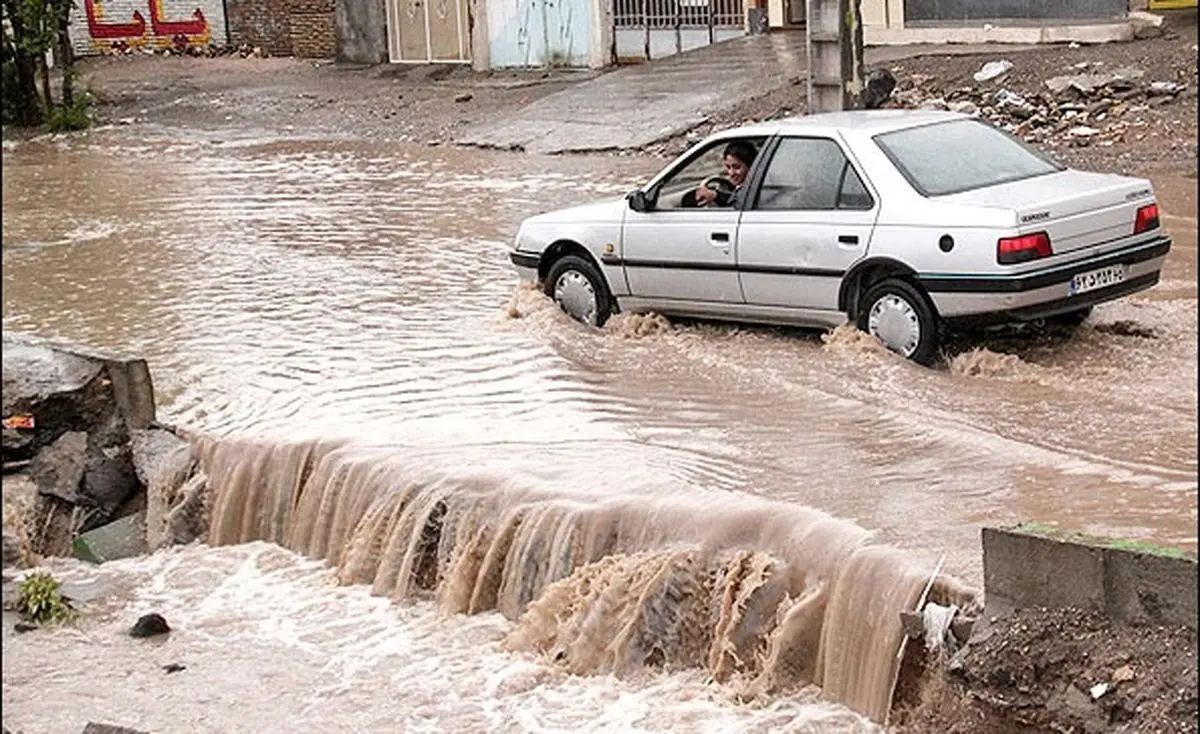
[(1043, 293), (525, 263)]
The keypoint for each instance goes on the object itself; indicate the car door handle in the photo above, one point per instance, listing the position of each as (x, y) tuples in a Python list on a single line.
[(722, 237), (847, 239)]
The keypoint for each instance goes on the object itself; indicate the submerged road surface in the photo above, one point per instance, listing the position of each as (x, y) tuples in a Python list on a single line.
[(316, 289)]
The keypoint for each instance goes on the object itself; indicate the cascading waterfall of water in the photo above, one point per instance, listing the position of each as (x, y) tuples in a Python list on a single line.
[(764, 595)]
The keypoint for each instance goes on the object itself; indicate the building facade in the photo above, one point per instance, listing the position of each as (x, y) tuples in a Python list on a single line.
[(303, 28)]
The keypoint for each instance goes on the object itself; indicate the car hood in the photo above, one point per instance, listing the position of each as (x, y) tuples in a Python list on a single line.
[(609, 210)]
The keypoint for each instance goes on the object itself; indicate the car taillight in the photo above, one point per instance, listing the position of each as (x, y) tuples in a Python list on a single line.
[(1019, 249), (1147, 219)]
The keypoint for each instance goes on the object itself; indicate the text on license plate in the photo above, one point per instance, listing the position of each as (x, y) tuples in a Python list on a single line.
[(1099, 278)]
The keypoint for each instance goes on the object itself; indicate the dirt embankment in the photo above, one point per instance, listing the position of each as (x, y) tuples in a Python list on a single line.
[(1144, 119), (1058, 671), (303, 98)]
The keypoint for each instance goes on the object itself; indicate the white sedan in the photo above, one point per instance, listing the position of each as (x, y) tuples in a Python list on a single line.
[(901, 222)]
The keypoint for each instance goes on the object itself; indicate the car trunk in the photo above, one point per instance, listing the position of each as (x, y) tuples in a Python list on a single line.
[(1077, 209)]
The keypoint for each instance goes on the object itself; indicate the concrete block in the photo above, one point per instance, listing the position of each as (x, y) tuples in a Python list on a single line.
[(133, 391), (1146, 25), (1145, 587), (1026, 570), (123, 538), (1036, 566)]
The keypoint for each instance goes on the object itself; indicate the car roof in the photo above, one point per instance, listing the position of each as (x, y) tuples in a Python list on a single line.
[(869, 122)]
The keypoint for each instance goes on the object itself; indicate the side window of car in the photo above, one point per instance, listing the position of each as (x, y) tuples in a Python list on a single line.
[(671, 191), (853, 193), (706, 164), (811, 174)]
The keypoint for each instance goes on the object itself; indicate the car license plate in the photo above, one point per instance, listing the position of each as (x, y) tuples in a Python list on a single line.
[(1099, 278)]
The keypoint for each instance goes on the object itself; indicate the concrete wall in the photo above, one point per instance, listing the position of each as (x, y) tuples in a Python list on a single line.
[(1027, 568), (875, 13), (362, 31), (98, 27), (1025, 10), (895, 15), (631, 42)]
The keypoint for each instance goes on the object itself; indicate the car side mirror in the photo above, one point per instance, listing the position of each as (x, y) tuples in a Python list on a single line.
[(637, 200)]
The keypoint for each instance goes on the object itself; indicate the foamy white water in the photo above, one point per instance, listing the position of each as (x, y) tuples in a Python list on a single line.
[(271, 643)]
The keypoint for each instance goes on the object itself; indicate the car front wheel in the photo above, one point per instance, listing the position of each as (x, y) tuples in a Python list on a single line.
[(899, 316), (579, 289)]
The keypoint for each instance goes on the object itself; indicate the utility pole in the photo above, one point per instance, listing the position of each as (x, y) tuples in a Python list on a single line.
[(835, 55)]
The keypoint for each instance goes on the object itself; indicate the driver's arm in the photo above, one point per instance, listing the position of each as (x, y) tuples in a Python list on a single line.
[(704, 195)]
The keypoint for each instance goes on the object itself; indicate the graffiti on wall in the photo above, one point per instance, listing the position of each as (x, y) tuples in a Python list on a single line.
[(119, 25)]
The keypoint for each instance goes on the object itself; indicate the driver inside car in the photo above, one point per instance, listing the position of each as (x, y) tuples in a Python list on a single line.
[(722, 190)]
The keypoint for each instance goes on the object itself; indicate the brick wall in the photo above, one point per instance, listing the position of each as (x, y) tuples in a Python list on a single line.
[(261, 23), (302, 28), (314, 35)]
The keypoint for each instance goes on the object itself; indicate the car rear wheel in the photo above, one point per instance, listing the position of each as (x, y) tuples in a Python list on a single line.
[(579, 289), (898, 315)]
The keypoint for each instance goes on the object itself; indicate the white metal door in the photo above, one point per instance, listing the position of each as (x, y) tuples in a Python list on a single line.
[(425, 31), (684, 254), (811, 219)]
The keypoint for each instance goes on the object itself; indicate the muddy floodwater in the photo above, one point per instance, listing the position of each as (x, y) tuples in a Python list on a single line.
[(293, 290)]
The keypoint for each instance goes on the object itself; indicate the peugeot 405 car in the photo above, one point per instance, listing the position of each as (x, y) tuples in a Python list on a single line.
[(901, 222)]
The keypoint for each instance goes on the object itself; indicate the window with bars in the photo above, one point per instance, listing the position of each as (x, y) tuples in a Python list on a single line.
[(678, 14)]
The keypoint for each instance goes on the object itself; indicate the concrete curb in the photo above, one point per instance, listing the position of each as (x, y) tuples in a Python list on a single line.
[(1039, 566)]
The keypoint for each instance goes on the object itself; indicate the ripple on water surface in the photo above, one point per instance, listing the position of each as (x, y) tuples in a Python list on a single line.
[(301, 288)]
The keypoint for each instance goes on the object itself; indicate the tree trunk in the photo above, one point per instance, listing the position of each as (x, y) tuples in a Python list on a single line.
[(67, 55), (30, 111), (47, 100)]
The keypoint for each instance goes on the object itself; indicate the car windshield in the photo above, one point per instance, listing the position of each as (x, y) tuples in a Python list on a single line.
[(961, 155)]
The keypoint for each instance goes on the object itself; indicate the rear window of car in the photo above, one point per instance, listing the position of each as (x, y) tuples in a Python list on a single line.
[(961, 155)]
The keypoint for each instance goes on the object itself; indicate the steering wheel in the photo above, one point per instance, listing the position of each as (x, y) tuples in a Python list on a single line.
[(723, 187)]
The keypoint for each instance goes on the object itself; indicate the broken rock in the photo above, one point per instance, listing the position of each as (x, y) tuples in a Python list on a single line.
[(879, 87), (1059, 84), (150, 625), (1145, 25), (1166, 87), (95, 728), (58, 469), (158, 454), (124, 538), (1014, 104), (993, 70)]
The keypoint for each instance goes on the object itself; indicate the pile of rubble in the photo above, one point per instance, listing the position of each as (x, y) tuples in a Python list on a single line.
[(87, 468), (1090, 106), (209, 51)]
